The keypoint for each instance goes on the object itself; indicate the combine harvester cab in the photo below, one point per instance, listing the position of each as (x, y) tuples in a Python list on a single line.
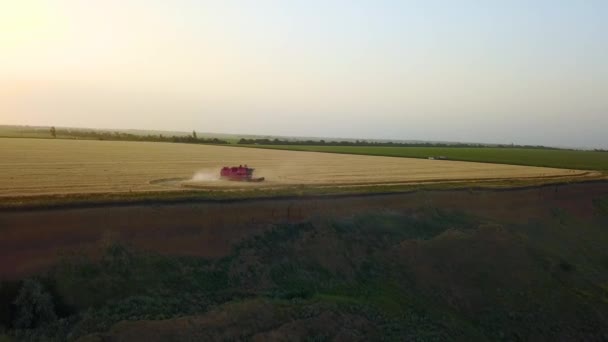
[(239, 173)]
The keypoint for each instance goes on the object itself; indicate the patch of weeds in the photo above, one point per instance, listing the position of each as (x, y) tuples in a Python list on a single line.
[(274, 241), (566, 266), (295, 279), (583, 293), (560, 215), (388, 228), (395, 313), (318, 338), (8, 294), (82, 283), (601, 206)]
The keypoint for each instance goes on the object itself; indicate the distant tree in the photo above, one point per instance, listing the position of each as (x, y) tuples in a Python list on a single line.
[(194, 134), (53, 132)]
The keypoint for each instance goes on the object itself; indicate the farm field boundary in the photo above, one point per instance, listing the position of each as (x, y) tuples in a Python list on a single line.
[(92, 200)]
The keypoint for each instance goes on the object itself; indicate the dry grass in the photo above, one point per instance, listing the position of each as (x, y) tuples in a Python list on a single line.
[(46, 166)]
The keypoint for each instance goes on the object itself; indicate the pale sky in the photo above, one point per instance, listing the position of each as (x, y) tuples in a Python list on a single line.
[(528, 72)]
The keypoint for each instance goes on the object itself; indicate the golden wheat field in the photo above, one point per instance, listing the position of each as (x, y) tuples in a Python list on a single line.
[(46, 166)]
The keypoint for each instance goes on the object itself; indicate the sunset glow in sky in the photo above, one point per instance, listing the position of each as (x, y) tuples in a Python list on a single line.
[(528, 72)]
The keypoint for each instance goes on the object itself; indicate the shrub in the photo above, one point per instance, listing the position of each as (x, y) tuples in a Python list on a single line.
[(34, 306), (8, 293)]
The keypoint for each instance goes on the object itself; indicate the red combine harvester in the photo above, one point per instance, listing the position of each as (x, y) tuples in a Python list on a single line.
[(239, 173)]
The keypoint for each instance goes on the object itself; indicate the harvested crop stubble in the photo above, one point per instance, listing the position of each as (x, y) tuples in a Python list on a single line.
[(46, 166)]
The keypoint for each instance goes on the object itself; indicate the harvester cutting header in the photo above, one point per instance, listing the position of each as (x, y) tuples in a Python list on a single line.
[(239, 173)]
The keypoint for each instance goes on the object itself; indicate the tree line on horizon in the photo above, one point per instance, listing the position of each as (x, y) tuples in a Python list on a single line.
[(194, 139), (277, 141), (122, 136)]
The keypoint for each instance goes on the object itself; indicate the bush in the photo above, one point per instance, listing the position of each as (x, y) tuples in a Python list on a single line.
[(34, 306), (8, 293), (5, 338)]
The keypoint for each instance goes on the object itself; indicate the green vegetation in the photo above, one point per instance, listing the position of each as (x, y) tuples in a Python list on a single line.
[(567, 159), (427, 275)]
